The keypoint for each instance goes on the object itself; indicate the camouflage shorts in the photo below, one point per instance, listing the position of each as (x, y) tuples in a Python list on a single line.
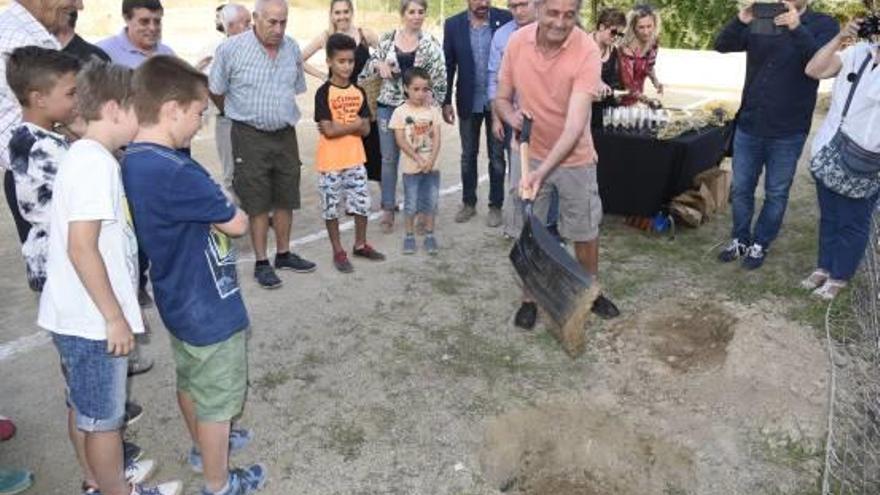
[(353, 183)]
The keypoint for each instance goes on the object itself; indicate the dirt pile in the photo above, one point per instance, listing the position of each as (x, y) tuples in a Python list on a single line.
[(690, 397)]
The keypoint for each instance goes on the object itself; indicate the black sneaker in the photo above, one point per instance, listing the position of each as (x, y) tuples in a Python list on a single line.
[(291, 261), (266, 277), (526, 316), (131, 452), (604, 308), (733, 251), (133, 412), (754, 257)]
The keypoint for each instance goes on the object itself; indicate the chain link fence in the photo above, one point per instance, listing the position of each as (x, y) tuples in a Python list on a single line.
[(852, 325)]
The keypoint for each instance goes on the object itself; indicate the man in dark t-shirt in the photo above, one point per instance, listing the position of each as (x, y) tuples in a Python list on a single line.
[(76, 46)]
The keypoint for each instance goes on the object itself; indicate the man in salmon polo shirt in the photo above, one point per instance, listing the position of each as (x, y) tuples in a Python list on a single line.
[(562, 156)]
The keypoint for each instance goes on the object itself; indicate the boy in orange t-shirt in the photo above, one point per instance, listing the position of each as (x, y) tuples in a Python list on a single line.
[(343, 117)]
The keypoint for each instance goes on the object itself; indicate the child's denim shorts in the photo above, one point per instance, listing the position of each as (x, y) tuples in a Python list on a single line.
[(421, 193), (95, 382)]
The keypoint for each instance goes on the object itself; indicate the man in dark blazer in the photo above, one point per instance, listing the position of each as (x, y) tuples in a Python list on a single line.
[(467, 37)]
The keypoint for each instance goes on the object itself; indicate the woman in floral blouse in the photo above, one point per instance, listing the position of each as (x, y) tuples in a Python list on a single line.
[(638, 54), (399, 50)]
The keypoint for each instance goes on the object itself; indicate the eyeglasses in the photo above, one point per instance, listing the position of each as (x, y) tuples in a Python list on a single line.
[(616, 33)]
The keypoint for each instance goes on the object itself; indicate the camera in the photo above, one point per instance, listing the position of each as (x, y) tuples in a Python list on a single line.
[(765, 13), (870, 26)]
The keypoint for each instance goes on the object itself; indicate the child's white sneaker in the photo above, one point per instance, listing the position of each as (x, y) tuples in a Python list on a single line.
[(138, 471)]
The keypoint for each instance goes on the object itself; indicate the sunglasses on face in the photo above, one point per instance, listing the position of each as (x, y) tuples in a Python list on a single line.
[(616, 33)]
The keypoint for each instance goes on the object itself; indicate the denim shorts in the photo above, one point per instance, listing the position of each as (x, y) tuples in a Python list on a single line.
[(96, 382), (421, 193)]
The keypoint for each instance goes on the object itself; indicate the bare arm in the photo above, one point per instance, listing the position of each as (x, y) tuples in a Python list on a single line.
[(309, 51), (435, 146), (826, 62), (370, 37), (503, 105), (236, 227), (332, 129), (82, 249)]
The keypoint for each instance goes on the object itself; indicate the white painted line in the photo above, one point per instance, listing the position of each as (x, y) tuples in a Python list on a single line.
[(24, 344), (30, 342), (349, 224)]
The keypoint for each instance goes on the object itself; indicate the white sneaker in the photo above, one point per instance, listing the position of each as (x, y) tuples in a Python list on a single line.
[(830, 289), (169, 488), (138, 471)]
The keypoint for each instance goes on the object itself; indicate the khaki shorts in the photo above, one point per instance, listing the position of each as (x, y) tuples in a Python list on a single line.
[(214, 376), (580, 207), (266, 168)]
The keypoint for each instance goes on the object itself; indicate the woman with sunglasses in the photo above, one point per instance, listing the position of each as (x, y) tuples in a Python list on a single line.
[(639, 53), (610, 25)]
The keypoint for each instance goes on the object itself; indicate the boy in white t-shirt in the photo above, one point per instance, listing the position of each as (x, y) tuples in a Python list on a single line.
[(89, 301)]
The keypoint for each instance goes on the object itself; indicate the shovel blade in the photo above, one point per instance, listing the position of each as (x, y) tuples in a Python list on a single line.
[(556, 281)]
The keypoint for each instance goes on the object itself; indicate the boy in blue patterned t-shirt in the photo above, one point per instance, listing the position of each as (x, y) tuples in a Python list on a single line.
[(44, 81), (182, 220)]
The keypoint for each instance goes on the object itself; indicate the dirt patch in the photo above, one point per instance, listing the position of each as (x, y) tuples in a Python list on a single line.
[(568, 449), (692, 337)]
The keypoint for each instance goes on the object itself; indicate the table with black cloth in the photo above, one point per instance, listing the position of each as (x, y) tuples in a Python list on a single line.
[(638, 174)]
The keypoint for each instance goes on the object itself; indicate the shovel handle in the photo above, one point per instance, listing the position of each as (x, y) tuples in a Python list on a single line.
[(524, 135)]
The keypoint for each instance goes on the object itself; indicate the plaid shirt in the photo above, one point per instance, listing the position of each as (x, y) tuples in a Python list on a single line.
[(18, 28), (259, 91), (429, 56)]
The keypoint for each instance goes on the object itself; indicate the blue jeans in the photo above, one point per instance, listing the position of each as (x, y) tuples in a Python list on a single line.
[(95, 382), (469, 130), (421, 193), (844, 230), (390, 158), (752, 155)]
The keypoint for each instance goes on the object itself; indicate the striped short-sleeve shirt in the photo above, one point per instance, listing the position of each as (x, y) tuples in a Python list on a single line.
[(258, 90)]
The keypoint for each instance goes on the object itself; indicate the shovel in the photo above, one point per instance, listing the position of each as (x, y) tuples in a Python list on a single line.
[(550, 276)]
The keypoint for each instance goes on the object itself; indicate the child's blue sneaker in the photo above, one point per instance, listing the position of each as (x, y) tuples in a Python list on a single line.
[(15, 481), (239, 438), (242, 481), (409, 244), (430, 244)]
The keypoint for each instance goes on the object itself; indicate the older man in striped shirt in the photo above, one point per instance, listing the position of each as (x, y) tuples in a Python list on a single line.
[(254, 81)]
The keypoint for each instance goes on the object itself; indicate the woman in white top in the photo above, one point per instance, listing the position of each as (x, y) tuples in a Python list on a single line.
[(847, 194)]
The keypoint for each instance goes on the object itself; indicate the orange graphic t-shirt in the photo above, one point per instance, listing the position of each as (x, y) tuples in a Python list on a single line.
[(342, 105)]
